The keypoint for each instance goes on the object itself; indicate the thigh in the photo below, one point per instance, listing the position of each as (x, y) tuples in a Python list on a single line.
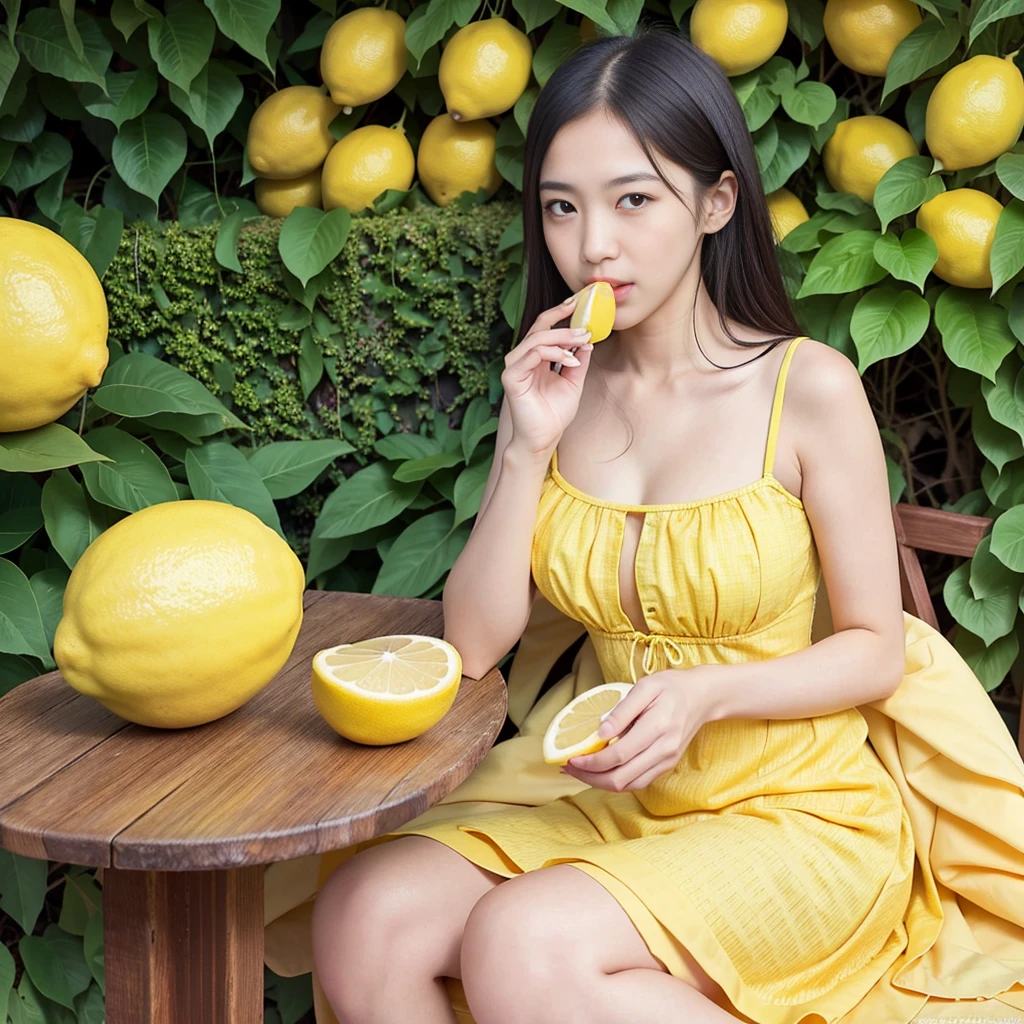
[(411, 889)]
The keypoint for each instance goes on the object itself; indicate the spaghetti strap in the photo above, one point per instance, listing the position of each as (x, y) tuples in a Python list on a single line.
[(554, 458), (776, 417)]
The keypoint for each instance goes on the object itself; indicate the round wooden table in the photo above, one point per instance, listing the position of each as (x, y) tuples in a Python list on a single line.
[(184, 821)]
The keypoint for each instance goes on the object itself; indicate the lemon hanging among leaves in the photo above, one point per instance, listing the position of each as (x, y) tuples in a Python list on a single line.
[(739, 35), (53, 325), (278, 197), (456, 157), (786, 212), (975, 112), (484, 69), (289, 135), (864, 33), (363, 56), (180, 613), (365, 163), (861, 150), (962, 223)]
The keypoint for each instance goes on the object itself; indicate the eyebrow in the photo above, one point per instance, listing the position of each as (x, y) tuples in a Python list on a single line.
[(625, 179)]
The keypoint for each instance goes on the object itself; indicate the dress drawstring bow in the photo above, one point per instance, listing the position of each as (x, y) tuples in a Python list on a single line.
[(654, 641)]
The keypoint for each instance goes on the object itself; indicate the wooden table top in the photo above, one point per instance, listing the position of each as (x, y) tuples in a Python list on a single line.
[(269, 782)]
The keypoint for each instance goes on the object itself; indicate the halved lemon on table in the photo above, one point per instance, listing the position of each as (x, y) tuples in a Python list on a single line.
[(387, 689), (595, 310), (573, 731)]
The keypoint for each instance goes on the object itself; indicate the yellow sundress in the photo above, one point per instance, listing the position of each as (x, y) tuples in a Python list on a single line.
[(847, 867)]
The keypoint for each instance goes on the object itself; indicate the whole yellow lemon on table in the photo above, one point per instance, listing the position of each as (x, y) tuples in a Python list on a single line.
[(179, 613), (53, 325), (387, 689), (864, 33), (962, 223), (456, 157), (365, 163), (484, 69), (861, 150), (290, 133), (975, 112), (739, 35), (363, 56)]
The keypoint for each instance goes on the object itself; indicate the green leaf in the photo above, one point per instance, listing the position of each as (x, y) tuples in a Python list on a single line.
[(288, 467), (147, 151), (1008, 544), (908, 257), (560, 42), (92, 946), (904, 187), (43, 40), (49, 447), (72, 519), (536, 12), (220, 472), (421, 554), (22, 888), (226, 249), (810, 103), (1004, 488), (428, 24), (806, 21), (56, 965), (1005, 397), (311, 364), (135, 479), (211, 100), (82, 899), (21, 625), (925, 48), (625, 14), (420, 469), (368, 498), (181, 42), (759, 107), (48, 586), (469, 490), (886, 322), (975, 333), (128, 94), (1007, 255), (20, 510), (790, 154), (989, 11), (247, 22), (9, 59), (524, 107), (843, 264), (989, 577), (1010, 171), (916, 108), (32, 164), (406, 446), (96, 235), (311, 239), (997, 443), (989, 617), (142, 385), (126, 16), (989, 662), (7, 966), (596, 11), (1015, 319)]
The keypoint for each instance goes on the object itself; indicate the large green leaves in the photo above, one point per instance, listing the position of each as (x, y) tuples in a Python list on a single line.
[(927, 46), (887, 321), (310, 239), (975, 333), (49, 447), (908, 257), (843, 264), (127, 95), (211, 99), (247, 22), (43, 39), (982, 595), (1007, 255), (288, 467), (181, 41), (147, 151), (21, 624), (421, 554), (368, 498), (904, 187), (219, 472), (134, 479)]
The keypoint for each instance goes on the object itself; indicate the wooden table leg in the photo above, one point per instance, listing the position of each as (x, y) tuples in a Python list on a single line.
[(183, 947)]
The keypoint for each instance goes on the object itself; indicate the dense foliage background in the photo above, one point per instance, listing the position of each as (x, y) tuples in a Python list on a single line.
[(338, 374)]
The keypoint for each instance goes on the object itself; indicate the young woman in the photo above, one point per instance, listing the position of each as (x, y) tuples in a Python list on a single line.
[(743, 851)]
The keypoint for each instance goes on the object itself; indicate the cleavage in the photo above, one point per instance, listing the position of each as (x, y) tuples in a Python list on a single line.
[(629, 597)]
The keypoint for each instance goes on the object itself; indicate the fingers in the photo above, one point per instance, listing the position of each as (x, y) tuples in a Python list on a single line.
[(552, 346), (633, 742), (550, 317)]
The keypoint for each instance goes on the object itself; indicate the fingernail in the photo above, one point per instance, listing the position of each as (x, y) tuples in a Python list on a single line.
[(565, 302), (580, 331), (570, 361), (587, 347)]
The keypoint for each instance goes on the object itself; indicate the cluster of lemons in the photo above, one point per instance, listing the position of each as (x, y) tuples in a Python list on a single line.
[(974, 115), (484, 70)]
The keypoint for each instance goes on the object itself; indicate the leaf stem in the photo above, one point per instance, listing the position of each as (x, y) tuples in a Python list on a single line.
[(88, 191)]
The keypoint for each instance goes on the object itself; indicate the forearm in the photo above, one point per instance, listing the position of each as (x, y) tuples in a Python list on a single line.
[(487, 596), (849, 668)]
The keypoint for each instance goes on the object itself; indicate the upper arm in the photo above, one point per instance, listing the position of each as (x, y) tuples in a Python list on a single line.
[(845, 491), (501, 440)]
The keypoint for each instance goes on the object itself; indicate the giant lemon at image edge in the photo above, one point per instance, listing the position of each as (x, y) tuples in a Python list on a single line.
[(180, 613), (53, 325)]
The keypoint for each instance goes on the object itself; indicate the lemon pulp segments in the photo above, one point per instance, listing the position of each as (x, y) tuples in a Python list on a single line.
[(595, 310), (372, 665), (573, 731)]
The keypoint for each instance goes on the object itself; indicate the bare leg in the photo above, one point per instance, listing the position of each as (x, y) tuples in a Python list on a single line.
[(387, 925), (554, 946)]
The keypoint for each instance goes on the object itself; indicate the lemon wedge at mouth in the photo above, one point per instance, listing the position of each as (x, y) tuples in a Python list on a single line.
[(595, 310)]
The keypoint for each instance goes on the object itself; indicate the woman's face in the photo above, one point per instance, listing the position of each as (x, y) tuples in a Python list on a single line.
[(607, 214)]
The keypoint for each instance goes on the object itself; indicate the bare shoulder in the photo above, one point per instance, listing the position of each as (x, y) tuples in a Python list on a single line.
[(822, 383)]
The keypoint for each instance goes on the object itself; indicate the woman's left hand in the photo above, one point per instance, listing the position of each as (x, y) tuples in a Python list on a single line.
[(655, 723)]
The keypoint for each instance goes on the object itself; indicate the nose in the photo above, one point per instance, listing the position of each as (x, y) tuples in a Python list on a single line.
[(598, 243)]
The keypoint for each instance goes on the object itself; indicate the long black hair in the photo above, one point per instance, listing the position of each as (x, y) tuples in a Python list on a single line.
[(674, 99)]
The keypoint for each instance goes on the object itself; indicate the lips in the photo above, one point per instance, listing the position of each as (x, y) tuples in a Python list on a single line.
[(611, 280)]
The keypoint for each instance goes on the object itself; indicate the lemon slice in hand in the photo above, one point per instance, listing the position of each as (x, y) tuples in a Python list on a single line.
[(595, 310), (386, 689), (573, 732)]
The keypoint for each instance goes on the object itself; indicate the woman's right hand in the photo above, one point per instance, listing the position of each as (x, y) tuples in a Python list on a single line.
[(542, 403)]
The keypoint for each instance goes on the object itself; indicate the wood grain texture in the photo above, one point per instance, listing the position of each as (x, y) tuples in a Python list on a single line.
[(271, 781), (183, 947), (935, 529)]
